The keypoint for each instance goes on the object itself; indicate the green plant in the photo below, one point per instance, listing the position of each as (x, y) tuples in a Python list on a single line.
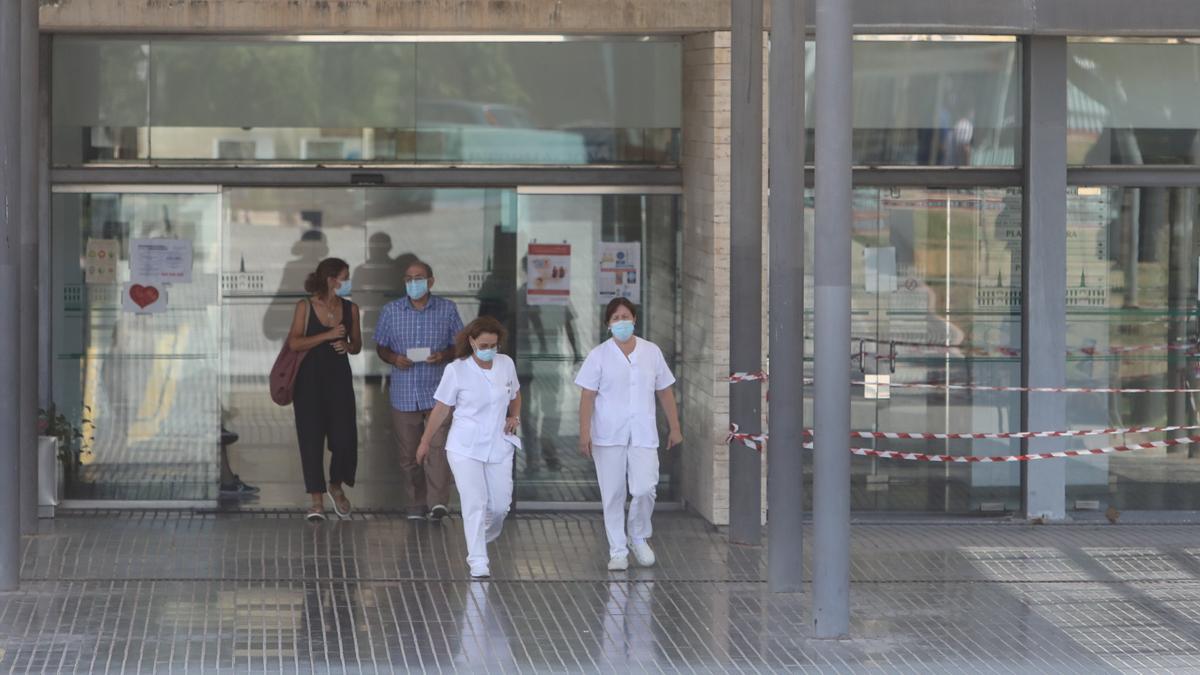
[(51, 422)]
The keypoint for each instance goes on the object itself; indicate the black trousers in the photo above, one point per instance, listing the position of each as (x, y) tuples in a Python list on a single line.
[(323, 400)]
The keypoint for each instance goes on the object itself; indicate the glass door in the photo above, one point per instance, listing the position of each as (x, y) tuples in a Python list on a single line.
[(274, 238), (940, 290), (574, 251), (135, 326)]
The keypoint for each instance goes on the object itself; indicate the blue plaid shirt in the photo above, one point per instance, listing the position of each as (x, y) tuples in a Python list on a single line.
[(402, 327)]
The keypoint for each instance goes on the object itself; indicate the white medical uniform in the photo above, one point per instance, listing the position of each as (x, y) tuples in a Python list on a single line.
[(480, 454), (625, 433)]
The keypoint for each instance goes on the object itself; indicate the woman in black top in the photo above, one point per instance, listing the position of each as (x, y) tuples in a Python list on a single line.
[(326, 326)]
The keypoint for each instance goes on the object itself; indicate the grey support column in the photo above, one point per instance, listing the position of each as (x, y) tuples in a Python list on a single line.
[(785, 454), (28, 287), (10, 185), (1044, 278), (745, 266), (831, 471)]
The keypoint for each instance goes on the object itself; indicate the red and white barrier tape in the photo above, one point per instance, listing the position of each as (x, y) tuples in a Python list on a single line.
[(760, 376), (1074, 433), (1037, 390), (756, 376), (1188, 347), (758, 442), (979, 459)]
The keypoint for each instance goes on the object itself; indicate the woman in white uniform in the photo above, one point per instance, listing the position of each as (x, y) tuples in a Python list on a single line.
[(617, 428), (480, 388)]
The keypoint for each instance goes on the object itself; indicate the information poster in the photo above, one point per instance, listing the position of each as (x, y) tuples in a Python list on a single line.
[(101, 262), (620, 271), (166, 261), (548, 270)]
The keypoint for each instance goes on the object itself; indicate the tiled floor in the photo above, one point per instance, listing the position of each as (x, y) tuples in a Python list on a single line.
[(182, 592)]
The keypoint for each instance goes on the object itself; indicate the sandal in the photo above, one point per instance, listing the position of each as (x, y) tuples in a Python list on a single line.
[(316, 514), (341, 503)]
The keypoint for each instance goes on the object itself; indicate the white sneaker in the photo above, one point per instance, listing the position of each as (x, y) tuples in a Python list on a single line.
[(481, 573), (643, 553), (618, 564)]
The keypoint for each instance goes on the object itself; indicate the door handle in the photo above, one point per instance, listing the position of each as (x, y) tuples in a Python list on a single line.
[(862, 355), (892, 356)]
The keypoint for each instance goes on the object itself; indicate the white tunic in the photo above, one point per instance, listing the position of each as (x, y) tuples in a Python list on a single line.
[(625, 408), (480, 400)]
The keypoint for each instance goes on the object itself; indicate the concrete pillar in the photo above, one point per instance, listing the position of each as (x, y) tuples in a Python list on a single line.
[(745, 270), (10, 186), (28, 287), (785, 454), (1044, 261), (831, 471)]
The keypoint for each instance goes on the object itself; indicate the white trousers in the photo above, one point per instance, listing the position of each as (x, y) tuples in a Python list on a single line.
[(621, 471), (485, 491)]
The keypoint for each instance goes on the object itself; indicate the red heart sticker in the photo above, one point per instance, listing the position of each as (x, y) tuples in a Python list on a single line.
[(143, 296)]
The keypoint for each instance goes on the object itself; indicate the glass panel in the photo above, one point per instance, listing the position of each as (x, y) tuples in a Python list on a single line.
[(1132, 103), (100, 97), (933, 303), (583, 102), (555, 331), (147, 381), (1131, 323), (557, 103), (919, 102), (264, 100)]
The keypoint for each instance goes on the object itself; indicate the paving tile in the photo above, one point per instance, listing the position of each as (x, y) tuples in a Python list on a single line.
[(143, 592)]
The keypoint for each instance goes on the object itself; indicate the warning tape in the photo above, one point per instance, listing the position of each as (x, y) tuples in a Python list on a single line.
[(758, 442), (760, 376), (1035, 390), (979, 459), (1188, 347), (1074, 433), (756, 376)]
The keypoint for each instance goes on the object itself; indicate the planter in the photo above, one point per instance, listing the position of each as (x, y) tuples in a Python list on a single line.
[(50, 476)]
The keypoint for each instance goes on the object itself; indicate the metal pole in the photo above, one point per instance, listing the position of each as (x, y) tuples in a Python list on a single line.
[(28, 305), (10, 185), (1044, 257), (831, 475), (745, 265), (785, 455)]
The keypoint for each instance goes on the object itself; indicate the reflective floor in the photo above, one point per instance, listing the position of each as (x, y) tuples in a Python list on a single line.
[(179, 592)]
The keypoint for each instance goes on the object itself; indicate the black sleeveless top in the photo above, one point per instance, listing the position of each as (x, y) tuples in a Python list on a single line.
[(323, 357)]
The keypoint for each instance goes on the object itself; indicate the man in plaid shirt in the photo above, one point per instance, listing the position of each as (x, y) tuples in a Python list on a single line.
[(415, 335)]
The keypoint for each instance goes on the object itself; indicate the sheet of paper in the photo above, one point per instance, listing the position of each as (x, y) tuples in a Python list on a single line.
[(418, 354), (514, 440)]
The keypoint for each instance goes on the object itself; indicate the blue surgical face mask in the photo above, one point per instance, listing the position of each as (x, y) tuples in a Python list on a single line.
[(485, 355), (417, 288), (622, 330), (343, 291)]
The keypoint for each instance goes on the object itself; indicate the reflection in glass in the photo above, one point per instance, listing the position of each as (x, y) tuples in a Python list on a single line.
[(147, 382), (560, 103), (932, 103), (1132, 103), (936, 292), (100, 93), (1131, 323)]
